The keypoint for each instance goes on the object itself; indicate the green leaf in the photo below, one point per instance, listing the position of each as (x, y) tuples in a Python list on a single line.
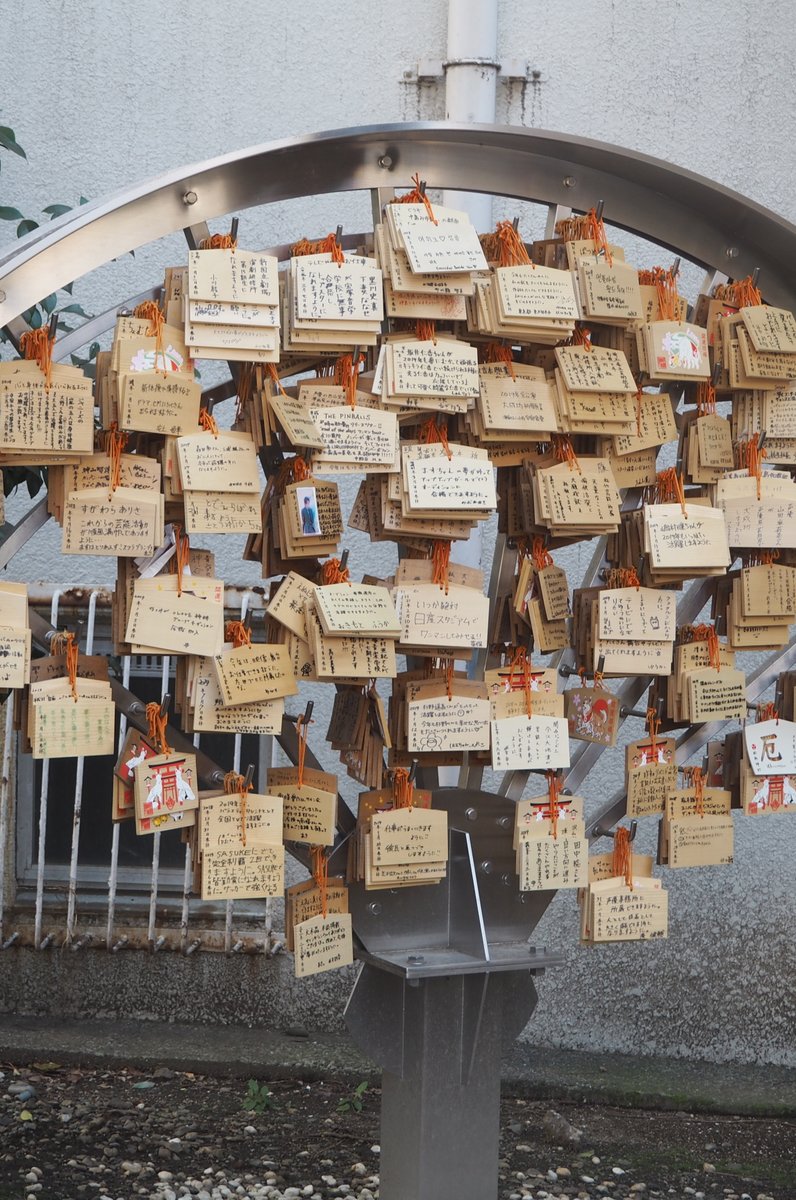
[(8, 141), (82, 200), (25, 1115), (77, 310), (35, 321), (93, 349), (77, 361), (26, 226), (57, 210), (68, 287), (10, 214), (49, 302)]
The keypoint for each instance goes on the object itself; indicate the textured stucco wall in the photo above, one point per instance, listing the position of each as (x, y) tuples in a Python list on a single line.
[(104, 95)]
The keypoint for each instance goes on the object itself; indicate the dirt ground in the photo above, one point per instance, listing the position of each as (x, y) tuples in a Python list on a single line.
[(125, 1133)]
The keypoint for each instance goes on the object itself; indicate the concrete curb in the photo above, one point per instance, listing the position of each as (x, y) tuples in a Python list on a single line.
[(530, 1071)]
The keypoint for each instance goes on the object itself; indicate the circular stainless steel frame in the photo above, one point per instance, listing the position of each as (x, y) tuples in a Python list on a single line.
[(684, 212)]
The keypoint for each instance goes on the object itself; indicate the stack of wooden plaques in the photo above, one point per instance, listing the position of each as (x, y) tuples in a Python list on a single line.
[(545, 389)]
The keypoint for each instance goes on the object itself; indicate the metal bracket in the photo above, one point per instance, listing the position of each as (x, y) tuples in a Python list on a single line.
[(601, 831), (429, 69)]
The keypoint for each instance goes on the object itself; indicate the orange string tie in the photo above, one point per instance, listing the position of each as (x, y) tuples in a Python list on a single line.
[(497, 352), (208, 422), (403, 790), (553, 792), (182, 555), (237, 633), (332, 572), (581, 337), (622, 860), (158, 724), (346, 375), (64, 643), (696, 780), (115, 443), (742, 293), (37, 346), (523, 548), (668, 299), (564, 451), (426, 331), (299, 470), (623, 577), (231, 781), (432, 433), (219, 241), (512, 251), (598, 679), (705, 633), (417, 196), (150, 311), (234, 782), (302, 729), (767, 712), (274, 377), (540, 555), (705, 398), (653, 724), (573, 229), (505, 247), (243, 792), (648, 276), (521, 665), (596, 231), (754, 460), (670, 489), (664, 486), (441, 557), (569, 229), (71, 664), (320, 874), (327, 245), (680, 492)]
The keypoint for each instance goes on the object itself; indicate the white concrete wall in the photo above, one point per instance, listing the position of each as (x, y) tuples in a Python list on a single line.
[(104, 95)]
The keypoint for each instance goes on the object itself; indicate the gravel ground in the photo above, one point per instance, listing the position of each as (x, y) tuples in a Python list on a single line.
[(68, 1133)]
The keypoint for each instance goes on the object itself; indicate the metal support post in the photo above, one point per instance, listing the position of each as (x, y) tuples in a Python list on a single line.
[(445, 986), (441, 1042)]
